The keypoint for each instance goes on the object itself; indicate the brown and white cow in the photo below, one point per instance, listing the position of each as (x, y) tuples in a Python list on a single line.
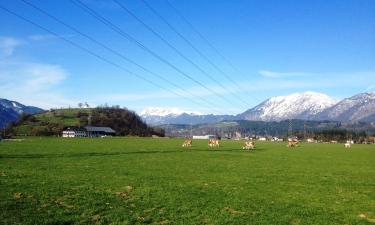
[(187, 143), (293, 143), (213, 143), (248, 145)]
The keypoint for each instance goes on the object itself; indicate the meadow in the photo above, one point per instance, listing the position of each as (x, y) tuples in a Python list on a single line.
[(156, 181)]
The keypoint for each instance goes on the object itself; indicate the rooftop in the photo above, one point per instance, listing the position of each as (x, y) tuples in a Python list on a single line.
[(99, 129)]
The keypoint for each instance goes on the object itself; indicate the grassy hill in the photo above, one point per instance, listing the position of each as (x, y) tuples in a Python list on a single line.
[(67, 117), (51, 123)]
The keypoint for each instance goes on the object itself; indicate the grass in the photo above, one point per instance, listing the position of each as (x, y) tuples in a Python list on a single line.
[(64, 117), (155, 181)]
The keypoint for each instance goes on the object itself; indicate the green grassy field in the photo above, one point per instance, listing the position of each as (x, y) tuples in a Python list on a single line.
[(155, 181)]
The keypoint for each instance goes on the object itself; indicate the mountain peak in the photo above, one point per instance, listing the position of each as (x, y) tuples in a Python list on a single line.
[(360, 107), (297, 106)]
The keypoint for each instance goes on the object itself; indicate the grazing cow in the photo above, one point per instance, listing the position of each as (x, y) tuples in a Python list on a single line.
[(293, 143), (187, 143), (248, 145), (213, 143), (348, 144)]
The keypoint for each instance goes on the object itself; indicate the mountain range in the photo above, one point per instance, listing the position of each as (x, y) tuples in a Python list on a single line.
[(305, 106), (10, 111)]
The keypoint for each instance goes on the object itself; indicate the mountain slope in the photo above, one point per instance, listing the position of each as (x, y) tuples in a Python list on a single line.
[(10, 111), (360, 107), (295, 106)]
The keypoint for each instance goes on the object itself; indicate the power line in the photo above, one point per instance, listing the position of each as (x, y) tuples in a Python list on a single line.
[(194, 48), (86, 50), (114, 52), (204, 38), (120, 31), (174, 48)]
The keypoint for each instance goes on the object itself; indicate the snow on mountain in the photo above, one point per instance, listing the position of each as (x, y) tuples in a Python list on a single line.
[(306, 106), (295, 106), (158, 115), (11, 110), (169, 111), (360, 107)]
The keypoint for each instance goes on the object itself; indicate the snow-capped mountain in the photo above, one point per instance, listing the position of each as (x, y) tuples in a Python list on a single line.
[(360, 107), (295, 106), (169, 111), (306, 106), (11, 110), (158, 115)]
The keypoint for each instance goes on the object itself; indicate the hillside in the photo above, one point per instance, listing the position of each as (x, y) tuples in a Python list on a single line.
[(52, 122), (360, 107), (10, 111)]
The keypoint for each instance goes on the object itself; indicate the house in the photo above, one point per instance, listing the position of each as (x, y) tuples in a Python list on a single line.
[(260, 138), (87, 131), (277, 139), (99, 131), (74, 131), (209, 136), (311, 140)]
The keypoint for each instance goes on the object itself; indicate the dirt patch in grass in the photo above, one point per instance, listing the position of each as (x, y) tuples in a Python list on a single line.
[(234, 212)]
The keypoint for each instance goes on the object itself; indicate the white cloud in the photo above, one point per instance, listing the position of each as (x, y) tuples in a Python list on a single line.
[(41, 37), (45, 37), (33, 84), (8, 45), (273, 74)]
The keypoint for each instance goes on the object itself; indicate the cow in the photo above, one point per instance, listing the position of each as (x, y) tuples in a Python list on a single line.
[(348, 144), (248, 145), (213, 143), (293, 143), (187, 143)]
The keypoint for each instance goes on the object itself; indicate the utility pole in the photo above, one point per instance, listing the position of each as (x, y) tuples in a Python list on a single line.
[(89, 119)]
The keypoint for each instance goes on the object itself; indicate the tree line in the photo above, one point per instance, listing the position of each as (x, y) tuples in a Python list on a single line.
[(123, 121)]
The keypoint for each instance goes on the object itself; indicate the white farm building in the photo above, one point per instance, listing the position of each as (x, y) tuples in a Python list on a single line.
[(205, 137), (74, 132), (87, 131)]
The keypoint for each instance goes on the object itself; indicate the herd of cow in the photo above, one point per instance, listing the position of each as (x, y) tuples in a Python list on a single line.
[(215, 143), (248, 145)]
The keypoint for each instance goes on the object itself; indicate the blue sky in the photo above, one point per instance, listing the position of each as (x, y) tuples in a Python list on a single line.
[(276, 47)]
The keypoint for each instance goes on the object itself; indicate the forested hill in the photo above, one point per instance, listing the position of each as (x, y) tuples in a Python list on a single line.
[(123, 121)]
